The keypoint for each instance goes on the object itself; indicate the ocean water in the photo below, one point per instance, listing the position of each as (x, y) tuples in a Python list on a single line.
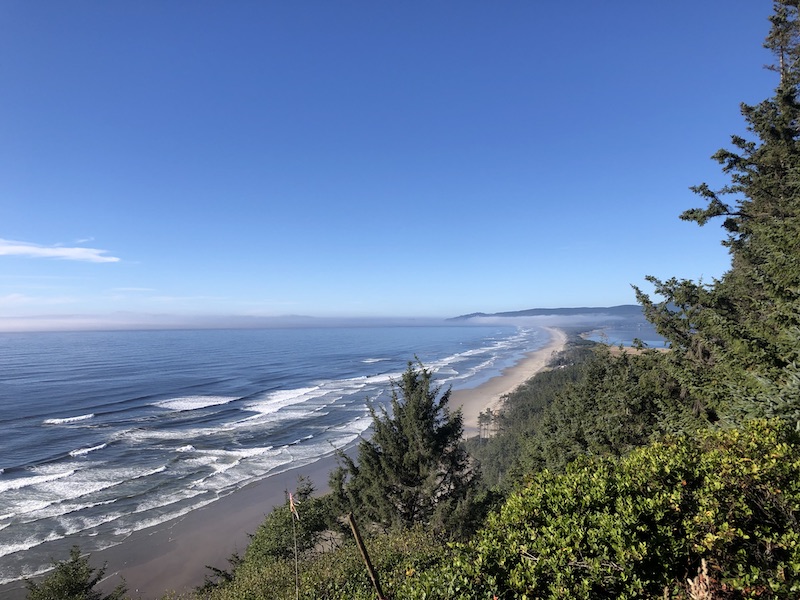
[(106, 433), (623, 333)]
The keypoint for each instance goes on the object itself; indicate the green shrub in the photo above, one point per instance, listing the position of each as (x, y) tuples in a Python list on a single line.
[(72, 579), (631, 527), (340, 573), (276, 536)]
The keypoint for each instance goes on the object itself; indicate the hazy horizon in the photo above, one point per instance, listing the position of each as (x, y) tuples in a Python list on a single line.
[(362, 160), (126, 321)]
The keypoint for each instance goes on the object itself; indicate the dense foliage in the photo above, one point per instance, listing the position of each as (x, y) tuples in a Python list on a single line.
[(339, 573), (736, 342), (511, 429), (635, 526), (628, 527), (282, 533), (73, 579), (413, 469)]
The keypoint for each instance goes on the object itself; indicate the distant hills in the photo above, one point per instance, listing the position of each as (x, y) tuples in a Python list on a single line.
[(623, 311), (615, 325)]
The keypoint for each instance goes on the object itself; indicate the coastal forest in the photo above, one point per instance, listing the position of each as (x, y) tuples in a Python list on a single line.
[(617, 473)]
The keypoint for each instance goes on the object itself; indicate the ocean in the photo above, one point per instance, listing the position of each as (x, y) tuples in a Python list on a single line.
[(107, 433)]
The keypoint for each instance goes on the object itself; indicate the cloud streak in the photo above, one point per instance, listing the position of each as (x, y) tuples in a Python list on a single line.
[(14, 248)]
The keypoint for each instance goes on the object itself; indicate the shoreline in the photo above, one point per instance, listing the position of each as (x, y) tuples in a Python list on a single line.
[(489, 395), (173, 556)]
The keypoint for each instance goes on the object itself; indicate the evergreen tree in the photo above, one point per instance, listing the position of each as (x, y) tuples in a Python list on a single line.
[(73, 579), (609, 410), (735, 341), (275, 538), (413, 470)]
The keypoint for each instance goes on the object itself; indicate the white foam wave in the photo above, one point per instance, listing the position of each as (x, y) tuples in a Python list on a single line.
[(383, 379), (237, 454), (67, 420), (446, 371), (54, 498), (138, 436), (167, 516), (30, 506), (369, 361), (194, 402), (83, 451), (27, 544), (23, 482), (163, 502), (299, 440), (186, 448), (275, 401), (155, 471)]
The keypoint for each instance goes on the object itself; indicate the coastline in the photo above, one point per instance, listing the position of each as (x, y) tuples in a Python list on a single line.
[(490, 394), (173, 555)]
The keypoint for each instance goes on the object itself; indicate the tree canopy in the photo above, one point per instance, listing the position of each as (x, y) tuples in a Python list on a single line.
[(73, 579), (413, 469), (736, 341)]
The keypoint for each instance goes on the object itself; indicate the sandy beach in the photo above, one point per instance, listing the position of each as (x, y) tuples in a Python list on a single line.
[(490, 394), (174, 555)]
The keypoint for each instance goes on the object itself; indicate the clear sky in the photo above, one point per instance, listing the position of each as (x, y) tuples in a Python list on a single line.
[(361, 158)]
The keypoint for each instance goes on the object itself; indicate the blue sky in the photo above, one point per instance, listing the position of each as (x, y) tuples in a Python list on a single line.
[(361, 158)]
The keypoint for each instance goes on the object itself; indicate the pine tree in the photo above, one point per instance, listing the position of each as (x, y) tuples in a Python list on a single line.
[(735, 341), (413, 470), (72, 579)]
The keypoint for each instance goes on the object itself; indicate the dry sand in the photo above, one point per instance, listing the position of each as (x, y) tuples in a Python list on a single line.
[(174, 555), (490, 394)]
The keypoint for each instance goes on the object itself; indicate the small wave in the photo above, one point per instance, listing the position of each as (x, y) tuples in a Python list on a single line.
[(22, 482), (194, 402), (369, 361), (299, 440), (155, 471), (27, 544), (239, 454), (83, 451), (52, 498), (446, 371), (166, 515), (139, 436), (186, 448), (68, 420), (275, 401)]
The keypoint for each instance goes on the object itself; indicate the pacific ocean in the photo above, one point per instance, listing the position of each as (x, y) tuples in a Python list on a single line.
[(106, 433)]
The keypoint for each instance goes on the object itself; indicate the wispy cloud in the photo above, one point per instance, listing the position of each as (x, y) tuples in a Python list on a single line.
[(13, 248)]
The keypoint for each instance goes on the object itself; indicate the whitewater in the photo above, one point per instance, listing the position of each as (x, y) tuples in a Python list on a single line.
[(107, 433)]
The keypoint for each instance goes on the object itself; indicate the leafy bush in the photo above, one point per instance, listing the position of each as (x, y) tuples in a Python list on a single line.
[(340, 573), (275, 537), (633, 527)]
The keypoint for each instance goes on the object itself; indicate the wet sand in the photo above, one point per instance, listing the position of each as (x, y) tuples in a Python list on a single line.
[(490, 394), (174, 555)]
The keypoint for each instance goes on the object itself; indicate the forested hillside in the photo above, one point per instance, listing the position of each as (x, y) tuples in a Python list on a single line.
[(616, 474)]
